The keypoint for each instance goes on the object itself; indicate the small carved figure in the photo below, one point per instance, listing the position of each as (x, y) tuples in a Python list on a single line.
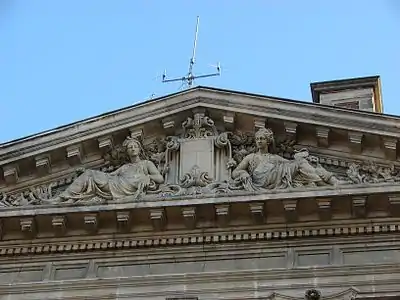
[(264, 170), (369, 172), (133, 178), (4, 200)]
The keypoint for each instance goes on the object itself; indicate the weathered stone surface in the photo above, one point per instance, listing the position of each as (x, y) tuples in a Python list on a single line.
[(322, 136), (222, 213), (390, 146), (359, 206), (43, 164), (74, 154), (10, 174), (356, 141), (259, 122), (290, 207), (161, 276), (257, 211), (131, 179), (324, 208), (291, 130), (28, 226), (91, 222), (123, 220), (265, 170), (189, 215), (214, 205), (158, 219), (229, 121), (105, 143), (59, 224)]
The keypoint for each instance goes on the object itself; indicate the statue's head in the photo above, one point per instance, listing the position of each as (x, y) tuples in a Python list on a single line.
[(133, 146), (264, 138)]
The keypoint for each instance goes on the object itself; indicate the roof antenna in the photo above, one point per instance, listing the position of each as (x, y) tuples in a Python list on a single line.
[(189, 78)]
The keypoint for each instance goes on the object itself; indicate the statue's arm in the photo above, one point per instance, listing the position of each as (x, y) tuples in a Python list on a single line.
[(154, 174), (117, 171), (242, 167)]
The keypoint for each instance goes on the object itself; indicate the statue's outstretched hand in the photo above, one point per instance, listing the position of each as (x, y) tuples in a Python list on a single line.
[(244, 176), (300, 154), (80, 171), (144, 183), (231, 164), (164, 170)]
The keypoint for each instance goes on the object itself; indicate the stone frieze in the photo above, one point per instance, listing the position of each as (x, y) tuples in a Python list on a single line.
[(200, 160)]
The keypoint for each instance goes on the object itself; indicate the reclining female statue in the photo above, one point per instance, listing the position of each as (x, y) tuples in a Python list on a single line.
[(264, 170), (131, 179)]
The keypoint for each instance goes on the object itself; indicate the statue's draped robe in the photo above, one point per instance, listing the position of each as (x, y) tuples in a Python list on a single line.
[(123, 182), (271, 171)]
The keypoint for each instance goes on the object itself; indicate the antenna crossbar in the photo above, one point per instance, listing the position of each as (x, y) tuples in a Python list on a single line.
[(189, 78)]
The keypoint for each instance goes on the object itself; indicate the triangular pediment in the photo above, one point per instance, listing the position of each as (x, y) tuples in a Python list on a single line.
[(207, 144), (210, 98), (235, 186), (334, 131)]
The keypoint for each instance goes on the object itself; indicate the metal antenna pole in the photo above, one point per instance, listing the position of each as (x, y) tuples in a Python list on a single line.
[(188, 80), (190, 75)]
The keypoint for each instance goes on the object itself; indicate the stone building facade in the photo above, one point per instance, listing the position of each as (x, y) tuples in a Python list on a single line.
[(208, 194)]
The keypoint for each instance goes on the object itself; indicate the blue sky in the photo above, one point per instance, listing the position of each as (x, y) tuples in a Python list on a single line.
[(65, 60)]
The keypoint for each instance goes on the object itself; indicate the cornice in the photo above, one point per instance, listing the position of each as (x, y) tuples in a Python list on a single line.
[(301, 112), (361, 231), (161, 217), (90, 130), (333, 117), (237, 197)]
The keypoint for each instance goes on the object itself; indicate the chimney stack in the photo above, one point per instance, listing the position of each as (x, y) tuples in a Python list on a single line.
[(356, 93)]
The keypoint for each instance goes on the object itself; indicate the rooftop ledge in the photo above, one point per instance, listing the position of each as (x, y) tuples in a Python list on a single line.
[(237, 197)]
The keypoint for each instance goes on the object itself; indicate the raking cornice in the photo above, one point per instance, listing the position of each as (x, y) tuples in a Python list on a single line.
[(264, 106)]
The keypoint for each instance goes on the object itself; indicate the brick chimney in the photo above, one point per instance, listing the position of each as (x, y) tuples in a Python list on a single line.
[(356, 93)]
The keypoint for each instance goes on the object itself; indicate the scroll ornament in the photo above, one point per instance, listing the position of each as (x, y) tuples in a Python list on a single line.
[(255, 163)]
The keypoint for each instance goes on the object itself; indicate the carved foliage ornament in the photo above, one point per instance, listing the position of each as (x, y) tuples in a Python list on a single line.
[(32, 196), (372, 173), (196, 180), (314, 294), (199, 126), (254, 162)]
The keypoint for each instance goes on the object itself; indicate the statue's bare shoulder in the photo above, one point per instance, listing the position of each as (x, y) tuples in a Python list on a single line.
[(151, 166), (247, 159)]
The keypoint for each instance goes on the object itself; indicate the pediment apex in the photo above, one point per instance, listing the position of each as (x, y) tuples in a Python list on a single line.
[(231, 111), (239, 102)]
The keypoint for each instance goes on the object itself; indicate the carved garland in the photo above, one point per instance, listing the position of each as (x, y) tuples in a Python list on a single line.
[(238, 145), (366, 173)]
